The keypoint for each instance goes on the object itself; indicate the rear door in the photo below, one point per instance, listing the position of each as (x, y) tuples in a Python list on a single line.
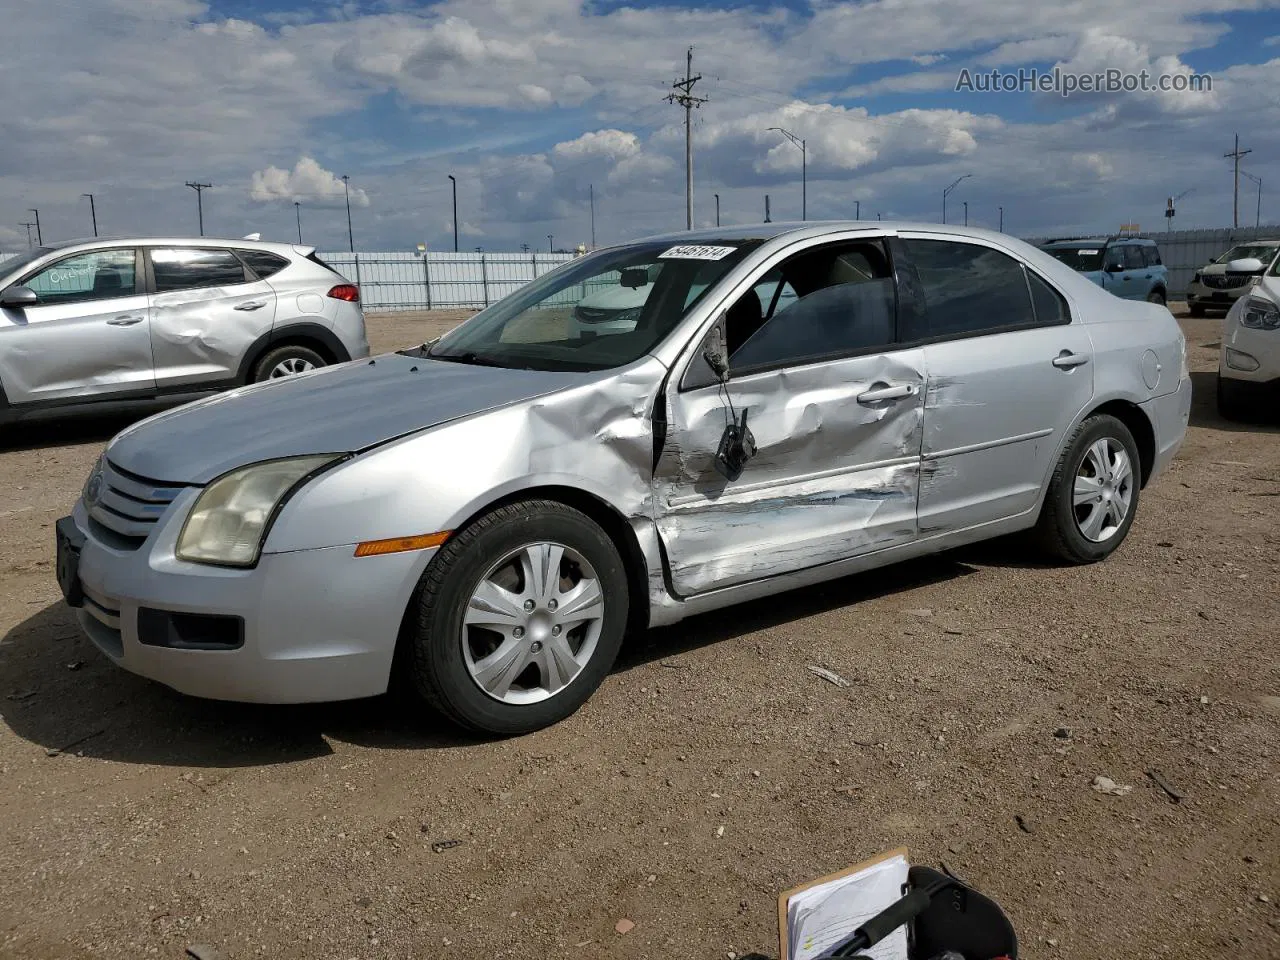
[(207, 310), (1009, 369), (86, 337)]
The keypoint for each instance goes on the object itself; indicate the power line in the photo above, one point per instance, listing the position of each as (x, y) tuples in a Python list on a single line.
[(682, 94), (1235, 155)]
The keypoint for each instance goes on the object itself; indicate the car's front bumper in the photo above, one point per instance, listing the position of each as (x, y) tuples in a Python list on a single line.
[(318, 625), (1200, 295), (1243, 347), (1169, 416)]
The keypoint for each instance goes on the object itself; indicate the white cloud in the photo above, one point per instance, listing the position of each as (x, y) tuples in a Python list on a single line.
[(922, 81), (307, 181)]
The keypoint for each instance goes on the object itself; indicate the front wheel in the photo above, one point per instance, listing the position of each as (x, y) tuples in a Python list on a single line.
[(1156, 296), (519, 618), (1093, 496)]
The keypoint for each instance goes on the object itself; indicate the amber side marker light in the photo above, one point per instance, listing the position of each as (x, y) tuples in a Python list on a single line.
[(378, 548)]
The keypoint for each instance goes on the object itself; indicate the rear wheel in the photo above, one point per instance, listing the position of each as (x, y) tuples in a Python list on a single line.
[(1093, 495), (287, 361), (519, 619)]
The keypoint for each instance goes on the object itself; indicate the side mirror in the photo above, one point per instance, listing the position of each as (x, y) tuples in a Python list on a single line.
[(715, 352), (17, 296), (1247, 265)]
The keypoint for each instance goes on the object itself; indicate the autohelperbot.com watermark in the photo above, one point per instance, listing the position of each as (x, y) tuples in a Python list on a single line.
[(1066, 83)]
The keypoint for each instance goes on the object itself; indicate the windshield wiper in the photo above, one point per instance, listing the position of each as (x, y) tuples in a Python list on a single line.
[(469, 356)]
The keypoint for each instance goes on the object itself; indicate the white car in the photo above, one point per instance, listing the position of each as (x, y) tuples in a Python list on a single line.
[(1249, 364)]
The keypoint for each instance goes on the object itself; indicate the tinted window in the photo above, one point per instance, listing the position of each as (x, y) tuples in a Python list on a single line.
[(100, 275), (1049, 305), (1133, 259), (1115, 257), (1151, 256), (969, 289), (262, 263), (1084, 259), (830, 301), (188, 269)]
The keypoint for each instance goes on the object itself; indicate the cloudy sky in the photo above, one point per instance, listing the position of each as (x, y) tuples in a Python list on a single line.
[(530, 103)]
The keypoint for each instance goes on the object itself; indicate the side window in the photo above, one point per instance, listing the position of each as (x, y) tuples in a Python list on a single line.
[(1133, 259), (1049, 304), (101, 275), (1115, 258), (1151, 256), (182, 269), (262, 263), (968, 289), (826, 302)]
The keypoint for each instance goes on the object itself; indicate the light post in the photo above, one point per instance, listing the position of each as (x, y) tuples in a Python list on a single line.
[(948, 191), (92, 212), (551, 243), (804, 167), (454, 181), (717, 196), (351, 240), (297, 209), (39, 235), (857, 207), (1002, 219), (966, 213)]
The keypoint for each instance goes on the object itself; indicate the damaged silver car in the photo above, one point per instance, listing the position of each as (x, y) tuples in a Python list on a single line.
[(124, 321), (485, 517)]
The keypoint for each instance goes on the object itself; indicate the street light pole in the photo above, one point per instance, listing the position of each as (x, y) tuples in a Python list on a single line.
[(804, 170), (717, 196), (551, 243), (1002, 219), (454, 181), (857, 206), (966, 213), (39, 235), (92, 212), (947, 191), (591, 187), (297, 209), (351, 239)]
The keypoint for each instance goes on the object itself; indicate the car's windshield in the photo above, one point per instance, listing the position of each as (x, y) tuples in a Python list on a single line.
[(1250, 251), (14, 264), (1084, 259), (604, 310)]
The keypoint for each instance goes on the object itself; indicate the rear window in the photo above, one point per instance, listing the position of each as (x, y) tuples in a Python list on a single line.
[(1084, 259), (188, 269), (262, 263)]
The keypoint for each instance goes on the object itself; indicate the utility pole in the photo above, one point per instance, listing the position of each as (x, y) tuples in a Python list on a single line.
[(717, 196), (39, 235), (454, 181), (92, 212), (351, 239), (966, 213), (199, 188), (857, 206), (28, 224), (685, 98), (804, 168), (767, 218), (591, 187), (1002, 219), (1235, 155), (297, 209), (1257, 222), (948, 190)]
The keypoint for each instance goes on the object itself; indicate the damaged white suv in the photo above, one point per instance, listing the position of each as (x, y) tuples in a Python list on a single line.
[(485, 517)]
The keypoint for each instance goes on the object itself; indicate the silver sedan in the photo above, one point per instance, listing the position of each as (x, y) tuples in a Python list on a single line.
[(484, 518)]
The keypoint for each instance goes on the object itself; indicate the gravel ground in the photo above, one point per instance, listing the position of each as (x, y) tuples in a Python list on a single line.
[(987, 692)]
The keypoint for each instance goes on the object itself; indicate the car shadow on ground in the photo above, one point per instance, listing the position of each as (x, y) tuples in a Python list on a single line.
[(60, 693), (1204, 408), (65, 431)]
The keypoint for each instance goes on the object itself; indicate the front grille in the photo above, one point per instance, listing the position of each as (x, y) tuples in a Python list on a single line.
[(128, 506), (1220, 281)]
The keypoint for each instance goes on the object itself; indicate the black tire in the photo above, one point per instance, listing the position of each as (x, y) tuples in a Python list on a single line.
[(1058, 530), (1196, 310), (290, 352), (433, 659), (1157, 296), (1231, 404)]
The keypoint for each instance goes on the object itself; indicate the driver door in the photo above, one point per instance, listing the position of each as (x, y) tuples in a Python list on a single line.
[(835, 408), (87, 336)]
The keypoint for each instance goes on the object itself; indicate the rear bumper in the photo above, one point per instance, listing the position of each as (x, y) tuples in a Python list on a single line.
[(1169, 416)]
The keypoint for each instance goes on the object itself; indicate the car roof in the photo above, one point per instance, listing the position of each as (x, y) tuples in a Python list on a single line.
[(1094, 241), (152, 241), (814, 228)]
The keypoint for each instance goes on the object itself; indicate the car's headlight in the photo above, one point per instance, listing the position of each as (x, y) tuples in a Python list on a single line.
[(1260, 314), (231, 516)]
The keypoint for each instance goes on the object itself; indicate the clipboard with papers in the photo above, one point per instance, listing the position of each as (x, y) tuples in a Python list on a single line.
[(814, 917)]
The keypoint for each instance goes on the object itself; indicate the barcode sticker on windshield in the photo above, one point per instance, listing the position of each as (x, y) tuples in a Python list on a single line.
[(696, 252)]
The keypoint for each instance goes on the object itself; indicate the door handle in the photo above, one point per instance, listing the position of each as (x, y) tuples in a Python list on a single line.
[(125, 321), (1067, 360), (251, 305), (896, 392)]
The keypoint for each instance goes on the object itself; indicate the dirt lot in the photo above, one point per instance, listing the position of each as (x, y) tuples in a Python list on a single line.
[(307, 832)]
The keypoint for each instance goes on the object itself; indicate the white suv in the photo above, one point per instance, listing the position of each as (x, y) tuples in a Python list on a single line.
[(1249, 364), (148, 319)]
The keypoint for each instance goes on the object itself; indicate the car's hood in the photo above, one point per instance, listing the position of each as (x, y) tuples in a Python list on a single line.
[(338, 409), (1213, 269)]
